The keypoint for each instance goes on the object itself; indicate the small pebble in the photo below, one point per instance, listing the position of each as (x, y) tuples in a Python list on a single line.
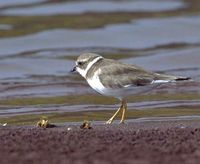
[(4, 124), (69, 128)]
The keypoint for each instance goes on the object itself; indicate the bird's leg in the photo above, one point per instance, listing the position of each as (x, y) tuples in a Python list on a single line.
[(112, 118), (124, 108)]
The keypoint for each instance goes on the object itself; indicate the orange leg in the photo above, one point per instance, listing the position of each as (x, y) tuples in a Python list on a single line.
[(124, 104), (112, 118)]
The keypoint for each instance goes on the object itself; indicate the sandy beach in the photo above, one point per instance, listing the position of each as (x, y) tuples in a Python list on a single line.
[(151, 142)]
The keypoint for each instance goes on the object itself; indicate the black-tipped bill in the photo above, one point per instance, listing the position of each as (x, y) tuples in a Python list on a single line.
[(73, 70)]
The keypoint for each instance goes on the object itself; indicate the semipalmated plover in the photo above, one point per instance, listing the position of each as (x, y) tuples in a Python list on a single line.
[(113, 78)]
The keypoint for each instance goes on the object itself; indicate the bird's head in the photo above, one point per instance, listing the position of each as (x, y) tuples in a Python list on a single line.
[(84, 62)]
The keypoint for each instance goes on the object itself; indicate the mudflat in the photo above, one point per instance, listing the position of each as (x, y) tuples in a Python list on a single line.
[(144, 142)]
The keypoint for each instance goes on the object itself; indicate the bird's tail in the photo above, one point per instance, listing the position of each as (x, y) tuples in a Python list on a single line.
[(161, 78), (182, 78)]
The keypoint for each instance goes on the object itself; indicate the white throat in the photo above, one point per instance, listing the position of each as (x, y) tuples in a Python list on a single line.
[(84, 72)]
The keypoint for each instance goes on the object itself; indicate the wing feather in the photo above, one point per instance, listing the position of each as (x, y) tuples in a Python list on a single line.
[(119, 75)]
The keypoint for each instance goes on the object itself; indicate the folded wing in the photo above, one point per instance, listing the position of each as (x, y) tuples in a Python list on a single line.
[(118, 75)]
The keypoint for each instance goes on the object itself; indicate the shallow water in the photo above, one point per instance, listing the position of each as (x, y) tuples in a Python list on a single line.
[(141, 34), (17, 2), (34, 67), (95, 6)]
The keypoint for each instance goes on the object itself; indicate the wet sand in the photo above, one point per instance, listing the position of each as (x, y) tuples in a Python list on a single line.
[(139, 142)]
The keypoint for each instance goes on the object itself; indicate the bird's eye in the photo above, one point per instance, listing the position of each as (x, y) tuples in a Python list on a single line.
[(80, 63)]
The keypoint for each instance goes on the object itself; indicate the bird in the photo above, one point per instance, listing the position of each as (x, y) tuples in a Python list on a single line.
[(116, 79)]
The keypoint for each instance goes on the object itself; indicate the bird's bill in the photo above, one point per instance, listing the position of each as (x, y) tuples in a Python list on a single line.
[(74, 69)]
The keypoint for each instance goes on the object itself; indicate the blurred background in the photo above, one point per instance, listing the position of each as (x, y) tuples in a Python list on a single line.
[(41, 39)]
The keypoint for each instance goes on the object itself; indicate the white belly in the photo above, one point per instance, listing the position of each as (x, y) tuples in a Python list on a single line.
[(96, 84)]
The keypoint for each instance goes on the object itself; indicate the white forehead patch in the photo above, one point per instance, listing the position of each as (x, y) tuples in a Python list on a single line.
[(84, 72)]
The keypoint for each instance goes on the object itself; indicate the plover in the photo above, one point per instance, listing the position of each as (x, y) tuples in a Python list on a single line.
[(113, 78)]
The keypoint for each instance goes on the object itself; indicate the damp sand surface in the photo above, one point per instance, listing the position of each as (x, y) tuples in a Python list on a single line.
[(175, 142)]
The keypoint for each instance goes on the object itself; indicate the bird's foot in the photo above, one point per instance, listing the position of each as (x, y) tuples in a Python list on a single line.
[(109, 121), (122, 122)]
